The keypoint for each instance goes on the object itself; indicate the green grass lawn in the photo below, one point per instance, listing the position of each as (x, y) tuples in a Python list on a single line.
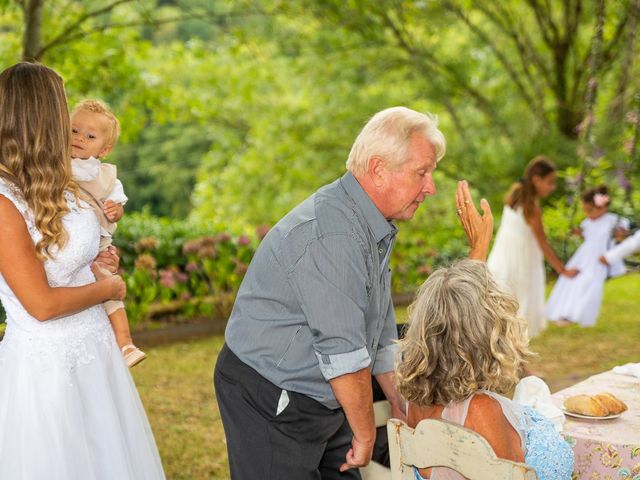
[(176, 386)]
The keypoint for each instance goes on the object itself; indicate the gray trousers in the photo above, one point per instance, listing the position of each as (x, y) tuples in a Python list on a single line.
[(305, 441)]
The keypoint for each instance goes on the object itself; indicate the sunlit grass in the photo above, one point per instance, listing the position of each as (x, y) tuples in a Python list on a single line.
[(176, 386)]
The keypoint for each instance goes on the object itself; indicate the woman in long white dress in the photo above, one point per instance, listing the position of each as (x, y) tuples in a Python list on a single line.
[(578, 300), (516, 260), (68, 406)]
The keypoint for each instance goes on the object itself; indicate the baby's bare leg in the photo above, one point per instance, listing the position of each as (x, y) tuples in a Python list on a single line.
[(120, 325)]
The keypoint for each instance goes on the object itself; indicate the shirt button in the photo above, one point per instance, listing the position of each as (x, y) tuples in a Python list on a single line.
[(380, 250)]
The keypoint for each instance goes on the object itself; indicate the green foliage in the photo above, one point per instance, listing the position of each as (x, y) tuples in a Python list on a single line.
[(165, 260), (433, 238), (236, 113)]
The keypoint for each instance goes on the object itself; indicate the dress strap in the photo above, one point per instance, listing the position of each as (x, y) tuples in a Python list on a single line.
[(456, 412)]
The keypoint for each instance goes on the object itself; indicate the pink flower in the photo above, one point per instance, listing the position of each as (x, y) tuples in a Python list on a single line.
[(181, 277), (167, 279), (425, 270), (601, 200), (208, 251), (243, 240), (262, 231), (145, 262), (191, 267), (241, 268), (223, 237), (191, 246), (147, 244), (208, 241)]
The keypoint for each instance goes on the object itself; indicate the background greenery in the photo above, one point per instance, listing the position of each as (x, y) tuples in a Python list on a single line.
[(233, 112)]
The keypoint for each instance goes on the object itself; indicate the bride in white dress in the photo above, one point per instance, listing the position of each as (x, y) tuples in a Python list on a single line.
[(68, 406), (516, 259)]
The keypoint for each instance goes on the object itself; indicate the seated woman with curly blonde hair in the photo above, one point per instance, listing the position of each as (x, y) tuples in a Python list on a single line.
[(462, 352)]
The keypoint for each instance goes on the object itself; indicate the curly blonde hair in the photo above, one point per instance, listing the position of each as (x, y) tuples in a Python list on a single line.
[(35, 146), (464, 336)]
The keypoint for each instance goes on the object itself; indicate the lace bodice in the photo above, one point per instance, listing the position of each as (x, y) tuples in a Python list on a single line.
[(69, 267)]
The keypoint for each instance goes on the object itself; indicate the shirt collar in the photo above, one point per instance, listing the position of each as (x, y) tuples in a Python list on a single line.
[(85, 169), (380, 226)]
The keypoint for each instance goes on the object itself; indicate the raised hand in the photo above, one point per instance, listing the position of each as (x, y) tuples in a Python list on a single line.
[(478, 228)]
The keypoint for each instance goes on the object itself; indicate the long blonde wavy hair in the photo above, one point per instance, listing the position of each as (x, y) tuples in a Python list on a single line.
[(35, 146), (464, 336)]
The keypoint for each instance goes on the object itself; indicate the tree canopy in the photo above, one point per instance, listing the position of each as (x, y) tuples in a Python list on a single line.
[(234, 111)]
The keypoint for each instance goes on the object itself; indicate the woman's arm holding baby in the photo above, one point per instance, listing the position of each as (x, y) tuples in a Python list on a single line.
[(25, 274)]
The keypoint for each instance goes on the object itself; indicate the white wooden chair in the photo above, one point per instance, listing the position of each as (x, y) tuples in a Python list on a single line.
[(376, 471), (441, 443)]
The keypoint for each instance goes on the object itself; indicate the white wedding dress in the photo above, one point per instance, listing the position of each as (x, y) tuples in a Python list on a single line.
[(68, 406), (516, 262)]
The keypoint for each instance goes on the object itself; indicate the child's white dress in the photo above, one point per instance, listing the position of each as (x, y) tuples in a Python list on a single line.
[(578, 299), (517, 264)]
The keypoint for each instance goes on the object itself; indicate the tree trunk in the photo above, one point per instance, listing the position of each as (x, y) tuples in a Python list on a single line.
[(32, 10), (616, 110)]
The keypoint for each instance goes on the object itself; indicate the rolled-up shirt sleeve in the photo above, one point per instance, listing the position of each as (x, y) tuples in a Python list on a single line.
[(330, 281), (385, 355)]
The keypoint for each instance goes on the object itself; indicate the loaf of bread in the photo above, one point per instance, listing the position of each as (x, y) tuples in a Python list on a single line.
[(611, 403), (600, 405), (585, 405)]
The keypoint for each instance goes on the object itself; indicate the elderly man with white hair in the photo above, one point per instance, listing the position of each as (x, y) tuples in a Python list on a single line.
[(313, 319)]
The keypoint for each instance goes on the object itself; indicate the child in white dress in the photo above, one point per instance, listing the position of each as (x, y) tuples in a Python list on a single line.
[(577, 300), (517, 258), (95, 130)]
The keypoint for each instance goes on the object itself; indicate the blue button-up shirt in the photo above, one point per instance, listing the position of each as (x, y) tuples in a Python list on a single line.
[(315, 302)]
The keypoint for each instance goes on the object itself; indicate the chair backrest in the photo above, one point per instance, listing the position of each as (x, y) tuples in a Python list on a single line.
[(381, 412), (445, 444), (376, 471)]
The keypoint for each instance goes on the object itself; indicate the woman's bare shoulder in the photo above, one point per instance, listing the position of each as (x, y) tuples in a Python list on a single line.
[(485, 416), (8, 211)]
